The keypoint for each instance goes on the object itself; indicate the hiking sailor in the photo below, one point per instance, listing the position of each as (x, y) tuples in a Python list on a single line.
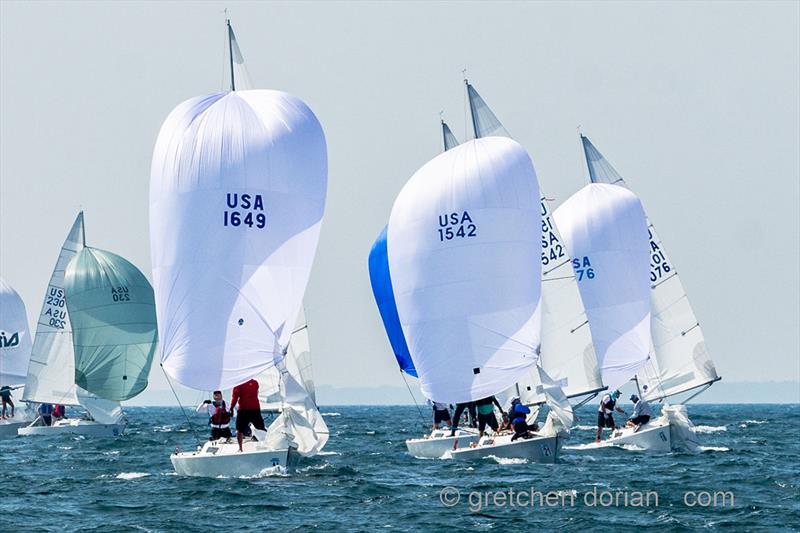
[(605, 418)]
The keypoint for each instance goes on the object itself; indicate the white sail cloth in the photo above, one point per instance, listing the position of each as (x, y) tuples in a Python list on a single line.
[(568, 354), (605, 231), (15, 337), (300, 424), (102, 410), (463, 249), (51, 373), (681, 361), (237, 195)]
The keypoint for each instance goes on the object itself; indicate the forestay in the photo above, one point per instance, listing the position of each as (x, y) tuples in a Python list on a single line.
[(681, 362), (51, 373), (463, 248), (15, 337), (113, 317), (381, 282), (605, 231), (237, 195)]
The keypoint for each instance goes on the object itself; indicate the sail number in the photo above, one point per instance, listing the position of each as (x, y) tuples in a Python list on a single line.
[(120, 294), (658, 261), (54, 314), (552, 249), (583, 268), (452, 225), (243, 211)]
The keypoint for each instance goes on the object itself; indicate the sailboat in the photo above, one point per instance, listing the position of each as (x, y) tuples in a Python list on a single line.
[(605, 229), (438, 442), (237, 196), (15, 352), (95, 339), (681, 362), (471, 321), (567, 353)]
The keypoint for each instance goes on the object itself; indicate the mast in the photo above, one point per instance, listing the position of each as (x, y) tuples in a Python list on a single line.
[(230, 51), (83, 231)]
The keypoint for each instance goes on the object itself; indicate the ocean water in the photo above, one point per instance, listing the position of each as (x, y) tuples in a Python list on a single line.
[(365, 481)]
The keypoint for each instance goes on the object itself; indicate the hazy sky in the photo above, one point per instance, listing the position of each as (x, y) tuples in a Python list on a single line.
[(696, 104)]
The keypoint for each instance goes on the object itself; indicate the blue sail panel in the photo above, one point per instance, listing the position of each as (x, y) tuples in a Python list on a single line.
[(384, 298), (600, 170)]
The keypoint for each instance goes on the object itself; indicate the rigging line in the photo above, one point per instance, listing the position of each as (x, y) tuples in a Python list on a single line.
[(188, 420), (424, 421)]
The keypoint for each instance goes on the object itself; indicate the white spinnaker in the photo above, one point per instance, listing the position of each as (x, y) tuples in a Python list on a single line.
[(464, 255), (567, 353), (15, 337), (605, 231), (237, 195), (681, 361), (51, 373)]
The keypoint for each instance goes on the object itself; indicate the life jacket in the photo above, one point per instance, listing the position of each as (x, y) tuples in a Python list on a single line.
[(221, 416), (58, 411)]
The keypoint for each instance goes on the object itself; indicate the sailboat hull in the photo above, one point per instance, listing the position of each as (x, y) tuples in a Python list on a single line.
[(73, 426), (651, 437), (439, 443), (533, 450), (9, 428), (221, 459)]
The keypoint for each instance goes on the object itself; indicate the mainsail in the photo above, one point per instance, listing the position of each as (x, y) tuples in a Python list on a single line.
[(681, 362), (567, 354), (15, 337), (484, 122), (51, 373), (448, 139), (237, 194), (113, 317), (464, 259), (381, 281), (605, 230)]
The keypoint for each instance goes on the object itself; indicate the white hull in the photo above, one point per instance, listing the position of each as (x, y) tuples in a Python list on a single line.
[(8, 428), (439, 443), (535, 450), (221, 459), (652, 437), (74, 426)]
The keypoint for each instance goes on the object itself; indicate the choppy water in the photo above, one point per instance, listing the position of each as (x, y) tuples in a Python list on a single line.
[(364, 481)]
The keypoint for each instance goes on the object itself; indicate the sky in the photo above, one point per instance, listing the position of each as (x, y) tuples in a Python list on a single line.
[(696, 104)]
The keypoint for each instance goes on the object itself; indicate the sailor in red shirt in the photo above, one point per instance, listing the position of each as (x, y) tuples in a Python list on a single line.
[(246, 395)]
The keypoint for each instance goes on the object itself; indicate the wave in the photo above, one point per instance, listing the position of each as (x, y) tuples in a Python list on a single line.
[(131, 475), (713, 449), (709, 429), (582, 427), (508, 460), (328, 453), (755, 422), (331, 414)]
